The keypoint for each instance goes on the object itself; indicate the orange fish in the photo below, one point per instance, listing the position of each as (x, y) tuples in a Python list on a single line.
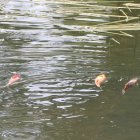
[(15, 77), (100, 79), (130, 84)]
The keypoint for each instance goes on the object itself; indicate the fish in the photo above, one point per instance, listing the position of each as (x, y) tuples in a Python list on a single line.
[(100, 79), (14, 78), (130, 84)]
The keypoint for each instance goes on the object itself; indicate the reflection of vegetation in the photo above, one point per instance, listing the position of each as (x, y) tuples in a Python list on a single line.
[(125, 20), (3, 3)]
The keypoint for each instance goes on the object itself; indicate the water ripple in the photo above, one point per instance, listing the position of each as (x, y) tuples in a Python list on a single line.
[(53, 46)]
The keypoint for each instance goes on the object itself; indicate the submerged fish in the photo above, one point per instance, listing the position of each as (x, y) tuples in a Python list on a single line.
[(100, 79), (15, 77), (130, 84)]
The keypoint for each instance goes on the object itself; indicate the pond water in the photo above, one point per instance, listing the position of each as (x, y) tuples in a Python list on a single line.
[(47, 43)]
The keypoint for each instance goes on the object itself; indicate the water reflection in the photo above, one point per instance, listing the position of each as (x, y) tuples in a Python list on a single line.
[(58, 57)]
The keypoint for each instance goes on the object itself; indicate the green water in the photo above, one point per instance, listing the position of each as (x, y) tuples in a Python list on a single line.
[(47, 43)]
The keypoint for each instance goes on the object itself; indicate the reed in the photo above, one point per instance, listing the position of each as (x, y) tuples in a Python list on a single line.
[(123, 22)]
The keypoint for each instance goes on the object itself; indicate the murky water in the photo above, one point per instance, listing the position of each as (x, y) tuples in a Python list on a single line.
[(58, 61)]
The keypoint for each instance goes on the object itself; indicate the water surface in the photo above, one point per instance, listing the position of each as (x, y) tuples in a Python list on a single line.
[(58, 58)]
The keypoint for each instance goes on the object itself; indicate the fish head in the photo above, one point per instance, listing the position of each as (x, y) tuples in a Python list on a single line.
[(16, 76)]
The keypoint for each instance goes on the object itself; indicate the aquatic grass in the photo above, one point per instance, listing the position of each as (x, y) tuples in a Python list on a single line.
[(123, 22), (95, 4)]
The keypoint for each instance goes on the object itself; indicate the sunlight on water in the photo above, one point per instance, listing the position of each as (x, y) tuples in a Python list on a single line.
[(55, 48)]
